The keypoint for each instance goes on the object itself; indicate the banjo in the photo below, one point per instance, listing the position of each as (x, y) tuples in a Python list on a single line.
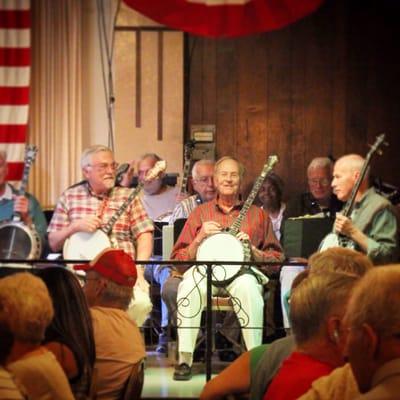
[(87, 245), (336, 240), (18, 240), (225, 246)]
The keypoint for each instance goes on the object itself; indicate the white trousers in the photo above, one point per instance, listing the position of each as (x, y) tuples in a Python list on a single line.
[(246, 294), (288, 273), (140, 306)]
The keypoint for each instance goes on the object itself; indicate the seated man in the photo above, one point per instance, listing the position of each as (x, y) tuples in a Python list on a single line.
[(256, 232), (158, 199), (372, 227), (26, 206), (203, 185), (119, 345), (373, 342), (26, 308), (90, 205), (319, 197)]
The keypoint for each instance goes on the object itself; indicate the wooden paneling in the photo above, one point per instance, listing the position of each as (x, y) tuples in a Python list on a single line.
[(326, 85)]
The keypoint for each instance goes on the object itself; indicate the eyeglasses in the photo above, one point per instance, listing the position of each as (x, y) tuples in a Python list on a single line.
[(204, 179), (322, 182), (104, 166)]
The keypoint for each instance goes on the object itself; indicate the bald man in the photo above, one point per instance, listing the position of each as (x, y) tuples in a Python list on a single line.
[(372, 225)]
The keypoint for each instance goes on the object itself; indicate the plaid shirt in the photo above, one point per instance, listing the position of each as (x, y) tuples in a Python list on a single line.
[(256, 224), (79, 201)]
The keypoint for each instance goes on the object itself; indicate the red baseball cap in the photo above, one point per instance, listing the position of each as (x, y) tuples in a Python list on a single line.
[(113, 264)]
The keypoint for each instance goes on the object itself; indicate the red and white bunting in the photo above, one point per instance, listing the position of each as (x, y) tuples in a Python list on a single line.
[(225, 18)]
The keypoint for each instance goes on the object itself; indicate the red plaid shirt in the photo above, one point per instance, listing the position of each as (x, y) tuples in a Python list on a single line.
[(256, 224), (79, 201)]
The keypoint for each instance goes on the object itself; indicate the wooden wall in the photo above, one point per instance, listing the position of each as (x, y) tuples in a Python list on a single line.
[(326, 85)]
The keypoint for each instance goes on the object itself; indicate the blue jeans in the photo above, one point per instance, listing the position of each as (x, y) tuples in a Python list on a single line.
[(159, 274)]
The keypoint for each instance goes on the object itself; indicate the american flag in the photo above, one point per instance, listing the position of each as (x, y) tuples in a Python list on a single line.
[(15, 59)]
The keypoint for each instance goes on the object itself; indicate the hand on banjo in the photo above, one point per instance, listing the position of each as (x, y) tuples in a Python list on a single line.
[(208, 228), (344, 225), (88, 224), (21, 206), (242, 236)]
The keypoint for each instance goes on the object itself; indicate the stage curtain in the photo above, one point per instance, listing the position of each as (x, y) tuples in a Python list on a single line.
[(56, 96)]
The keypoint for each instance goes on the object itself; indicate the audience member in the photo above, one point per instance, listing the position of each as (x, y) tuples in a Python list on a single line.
[(8, 387), (26, 206), (373, 341), (317, 306), (90, 204), (372, 226), (25, 306), (70, 334), (209, 219), (319, 198), (110, 278), (270, 196)]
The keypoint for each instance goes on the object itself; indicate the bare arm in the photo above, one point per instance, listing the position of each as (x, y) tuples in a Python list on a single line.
[(87, 224), (233, 379)]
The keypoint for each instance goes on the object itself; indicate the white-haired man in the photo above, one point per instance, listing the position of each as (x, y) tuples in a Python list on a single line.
[(372, 226), (203, 185), (209, 219), (89, 205), (319, 197)]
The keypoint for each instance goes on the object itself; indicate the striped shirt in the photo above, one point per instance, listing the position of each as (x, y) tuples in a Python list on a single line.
[(79, 201), (256, 224), (184, 208)]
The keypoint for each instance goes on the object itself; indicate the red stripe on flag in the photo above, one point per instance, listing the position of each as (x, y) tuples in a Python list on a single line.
[(14, 95), (15, 19), (15, 171), (13, 133), (15, 57)]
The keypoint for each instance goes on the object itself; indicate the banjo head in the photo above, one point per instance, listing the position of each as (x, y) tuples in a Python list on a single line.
[(85, 245), (18, 241), (221, 247)]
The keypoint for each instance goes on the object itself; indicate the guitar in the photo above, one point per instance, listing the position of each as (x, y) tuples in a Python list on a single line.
[(17, 240), (87, 245), (333, 239), (225, 246)]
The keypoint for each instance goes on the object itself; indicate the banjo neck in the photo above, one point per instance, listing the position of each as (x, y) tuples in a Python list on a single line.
[(349, 206), (235, 228), (151, 175), (186, 167), (30, 155)]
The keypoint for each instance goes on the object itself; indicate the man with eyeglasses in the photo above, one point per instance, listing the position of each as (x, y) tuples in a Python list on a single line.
[(90, 204), (319, 198), (203, 185)]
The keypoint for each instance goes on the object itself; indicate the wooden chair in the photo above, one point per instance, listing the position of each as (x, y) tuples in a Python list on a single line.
[(134, 384)]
